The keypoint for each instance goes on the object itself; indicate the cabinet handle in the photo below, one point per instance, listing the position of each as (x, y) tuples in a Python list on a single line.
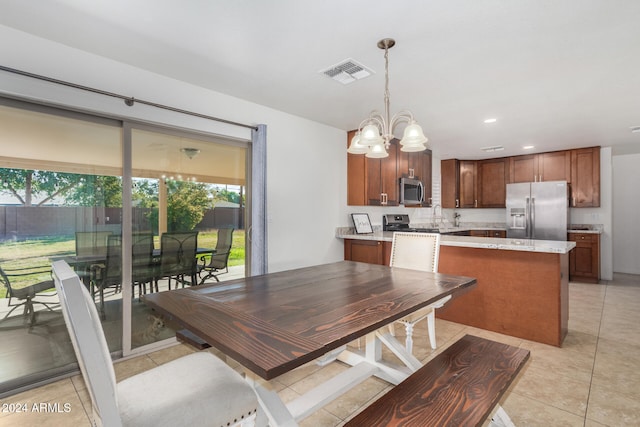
[(574, 201), (457, 203), (475, 203)]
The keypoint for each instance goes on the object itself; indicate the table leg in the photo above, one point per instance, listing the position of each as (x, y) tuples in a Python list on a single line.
[(273, 412)]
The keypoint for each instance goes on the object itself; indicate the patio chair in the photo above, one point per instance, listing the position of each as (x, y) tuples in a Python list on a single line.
[(109, 274), (220, 257), (143, 268), (178, 257), (194, 390), (90, 244), (27, 295), (417, 251)]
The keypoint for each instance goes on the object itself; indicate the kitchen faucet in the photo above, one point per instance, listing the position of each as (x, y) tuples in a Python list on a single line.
[(433, 214)]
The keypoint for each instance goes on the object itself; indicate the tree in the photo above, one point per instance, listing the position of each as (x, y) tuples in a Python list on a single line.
[(186, 204), (26, 184), (226, 195), (96, 190)]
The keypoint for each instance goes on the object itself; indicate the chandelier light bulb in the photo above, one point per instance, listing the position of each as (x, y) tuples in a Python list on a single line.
[(356, 147), (370, 135), (377, 152)]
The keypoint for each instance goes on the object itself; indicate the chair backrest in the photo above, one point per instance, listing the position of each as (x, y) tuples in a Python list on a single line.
[(142, 253), (178, 253), (92, 242), (416, 251), (112, 274), (83, 322), (4, 280), (223, 248)]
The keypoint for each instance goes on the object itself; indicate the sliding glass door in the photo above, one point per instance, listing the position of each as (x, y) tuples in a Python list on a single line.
[(132, 208)]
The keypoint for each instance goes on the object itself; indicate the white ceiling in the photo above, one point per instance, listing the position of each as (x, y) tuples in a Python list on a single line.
[(556, 74)]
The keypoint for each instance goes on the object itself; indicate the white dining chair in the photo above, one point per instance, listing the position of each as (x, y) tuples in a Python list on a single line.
[(198, 389), (417, 251)]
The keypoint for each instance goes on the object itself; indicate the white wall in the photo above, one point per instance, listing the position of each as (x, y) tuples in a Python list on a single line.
[(306, 176), (626, 225)]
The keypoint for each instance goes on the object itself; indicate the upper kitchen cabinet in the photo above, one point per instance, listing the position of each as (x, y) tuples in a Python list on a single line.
[(356, 176), (459, 183), (553, 166), (493, 175), (585, 177), (474, 183), (418, 165), (372, 181), (382, 188)]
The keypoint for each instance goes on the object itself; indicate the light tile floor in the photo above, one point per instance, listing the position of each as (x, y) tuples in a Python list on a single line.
[(593, 380)]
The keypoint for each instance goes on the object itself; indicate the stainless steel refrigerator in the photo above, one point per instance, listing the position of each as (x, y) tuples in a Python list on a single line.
[(538, 210)]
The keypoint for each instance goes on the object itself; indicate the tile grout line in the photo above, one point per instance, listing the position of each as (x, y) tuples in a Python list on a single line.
[(593, 367)]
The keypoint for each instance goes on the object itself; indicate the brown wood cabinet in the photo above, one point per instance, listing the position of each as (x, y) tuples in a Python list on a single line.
[(382, 188), (356, 176), (369, 251), (483, 183), (584, 259), (552, 166), (468, 170), (449, 182), (375, 182), (493, 175), (458, 183), (585, 177), (474, 183)]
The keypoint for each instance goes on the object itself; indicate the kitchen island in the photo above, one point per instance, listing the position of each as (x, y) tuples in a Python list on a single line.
[(522, 285)]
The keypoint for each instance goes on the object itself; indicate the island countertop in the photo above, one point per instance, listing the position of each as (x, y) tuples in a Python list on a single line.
[(510, 244)]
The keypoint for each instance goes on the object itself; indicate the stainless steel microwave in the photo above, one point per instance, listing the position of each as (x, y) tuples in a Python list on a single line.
[(411, 191)]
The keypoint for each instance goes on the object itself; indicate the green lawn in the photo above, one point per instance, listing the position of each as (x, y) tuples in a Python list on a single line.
[(38, 252)]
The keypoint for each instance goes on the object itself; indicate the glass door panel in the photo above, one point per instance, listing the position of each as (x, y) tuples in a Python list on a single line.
[(188, 193), (60, 198)]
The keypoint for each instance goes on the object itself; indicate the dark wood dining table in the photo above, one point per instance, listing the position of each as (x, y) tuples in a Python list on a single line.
[(274, 323)]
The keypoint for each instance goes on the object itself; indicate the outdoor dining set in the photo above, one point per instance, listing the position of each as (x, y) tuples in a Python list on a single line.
[(98, 261)]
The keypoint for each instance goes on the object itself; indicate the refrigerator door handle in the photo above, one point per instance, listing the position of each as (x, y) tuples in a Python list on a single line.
[(527, 219), (533, 217)]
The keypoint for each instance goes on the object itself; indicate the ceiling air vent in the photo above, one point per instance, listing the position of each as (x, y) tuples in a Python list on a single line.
[(347, 71), (492, 149)]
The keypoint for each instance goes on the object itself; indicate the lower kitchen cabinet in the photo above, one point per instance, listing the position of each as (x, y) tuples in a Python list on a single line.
[(584, 259), (369, 251)]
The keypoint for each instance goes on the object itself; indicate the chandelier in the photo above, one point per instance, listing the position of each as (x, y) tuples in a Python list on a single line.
[(375, 132)]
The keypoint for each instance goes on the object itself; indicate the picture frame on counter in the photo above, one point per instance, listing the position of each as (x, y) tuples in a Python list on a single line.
[(362, 223)]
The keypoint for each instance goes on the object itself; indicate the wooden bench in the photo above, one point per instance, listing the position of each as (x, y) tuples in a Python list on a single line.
[(459, 387)]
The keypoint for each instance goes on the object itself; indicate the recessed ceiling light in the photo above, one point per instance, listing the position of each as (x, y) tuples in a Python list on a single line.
[(528, 147), (491, 120), (635, 129)]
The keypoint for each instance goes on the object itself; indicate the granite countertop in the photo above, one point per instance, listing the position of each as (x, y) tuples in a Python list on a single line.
[(586, 228), (548, 246)]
